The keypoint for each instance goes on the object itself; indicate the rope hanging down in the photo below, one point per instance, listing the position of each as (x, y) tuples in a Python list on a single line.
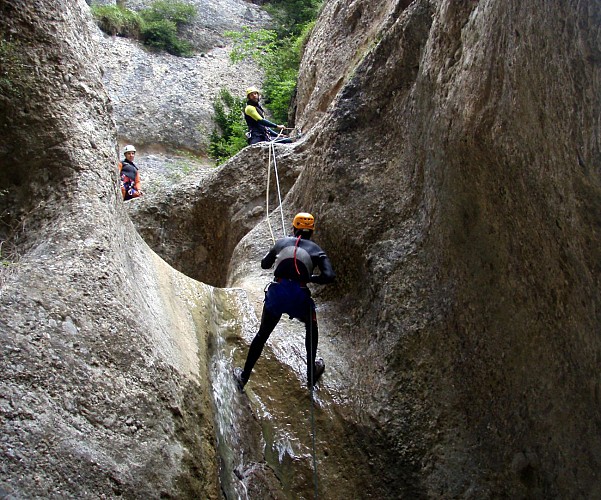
[(277, 181), (312, 403), (310, 318)]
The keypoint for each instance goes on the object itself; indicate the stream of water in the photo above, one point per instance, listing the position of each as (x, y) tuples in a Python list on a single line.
[(228, 410)]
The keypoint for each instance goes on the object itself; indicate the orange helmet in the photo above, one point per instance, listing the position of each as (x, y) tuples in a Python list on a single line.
[(304, 220)]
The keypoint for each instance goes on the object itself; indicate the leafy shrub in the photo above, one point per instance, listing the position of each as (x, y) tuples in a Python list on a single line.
[(156, 26), (162, 35), (281, 73), (177, 12), (292, 16), (159, 33), (116, 20), (229, 136), (249, 44), (162, 21), (279, 59), (281, 93)]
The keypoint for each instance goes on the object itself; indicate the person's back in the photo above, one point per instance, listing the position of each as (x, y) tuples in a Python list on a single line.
[(295, 260)]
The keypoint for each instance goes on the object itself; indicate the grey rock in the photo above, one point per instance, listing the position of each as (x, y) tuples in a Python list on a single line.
[(449, 156), (163, 102)]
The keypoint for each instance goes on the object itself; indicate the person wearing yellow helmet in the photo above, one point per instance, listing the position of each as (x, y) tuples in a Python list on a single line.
[(295, 259), (258, 126)]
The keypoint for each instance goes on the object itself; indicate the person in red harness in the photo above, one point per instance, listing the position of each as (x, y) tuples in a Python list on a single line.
[(130, 177), (295, 258)]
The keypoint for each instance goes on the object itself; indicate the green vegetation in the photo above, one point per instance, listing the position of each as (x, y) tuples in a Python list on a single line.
[(157, 26), (230, 138), (278, 52), (292, 16), (279, 58), (162, 21), (117, 20), (9, 256)]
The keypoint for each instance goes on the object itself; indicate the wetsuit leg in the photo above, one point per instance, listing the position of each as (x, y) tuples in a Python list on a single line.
[(268, 323), (311, 339), (257, 136)]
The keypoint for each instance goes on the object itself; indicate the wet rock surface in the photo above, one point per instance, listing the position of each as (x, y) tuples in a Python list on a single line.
[(471, 238)]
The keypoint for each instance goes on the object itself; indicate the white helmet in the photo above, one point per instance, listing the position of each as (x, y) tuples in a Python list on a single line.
[(129, 148)]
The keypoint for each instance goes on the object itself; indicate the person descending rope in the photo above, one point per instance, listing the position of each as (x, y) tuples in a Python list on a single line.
[(130, 177), (295, 258), (258, 125)]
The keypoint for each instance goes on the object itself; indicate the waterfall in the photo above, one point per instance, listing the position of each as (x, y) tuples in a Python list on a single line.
[(230, 312)]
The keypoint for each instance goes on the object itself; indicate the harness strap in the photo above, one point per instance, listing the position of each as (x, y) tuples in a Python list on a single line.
[(295, 248), (301, 283)]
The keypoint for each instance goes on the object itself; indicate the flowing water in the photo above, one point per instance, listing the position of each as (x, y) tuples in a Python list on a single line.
[(258, 449), (226, 323), (265, 435)]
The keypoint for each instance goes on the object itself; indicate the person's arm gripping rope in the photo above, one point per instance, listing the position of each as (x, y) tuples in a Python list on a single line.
[(254, 114)]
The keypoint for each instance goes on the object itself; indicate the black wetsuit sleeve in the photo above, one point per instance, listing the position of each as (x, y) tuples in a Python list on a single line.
[(267, 123), (269, 258), (327, 274)]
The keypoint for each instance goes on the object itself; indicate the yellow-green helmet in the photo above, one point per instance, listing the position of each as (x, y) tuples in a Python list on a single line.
[(303, 220), (250, 90)]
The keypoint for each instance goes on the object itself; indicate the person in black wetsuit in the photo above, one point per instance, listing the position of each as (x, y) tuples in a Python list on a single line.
[(295, 258), (130, 176), (258, 126)]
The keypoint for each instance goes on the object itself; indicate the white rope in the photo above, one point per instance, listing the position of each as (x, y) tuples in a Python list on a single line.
[(267, 195), (277, 180)]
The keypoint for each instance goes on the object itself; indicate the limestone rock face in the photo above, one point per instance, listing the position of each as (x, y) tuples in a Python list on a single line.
[(165, 103), (451, 157), (196, 223), (344, 32), (104, 386), (457, 189), (212, 19)]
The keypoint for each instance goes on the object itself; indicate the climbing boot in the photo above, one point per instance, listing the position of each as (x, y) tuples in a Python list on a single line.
[(320, 367), (240, 382)]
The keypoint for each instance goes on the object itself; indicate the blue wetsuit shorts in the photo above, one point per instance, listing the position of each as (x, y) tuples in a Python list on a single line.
[(289, 297)]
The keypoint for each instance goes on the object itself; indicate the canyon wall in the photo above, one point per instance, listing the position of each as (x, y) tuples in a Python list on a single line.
[(456, 181), (451, 155)]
